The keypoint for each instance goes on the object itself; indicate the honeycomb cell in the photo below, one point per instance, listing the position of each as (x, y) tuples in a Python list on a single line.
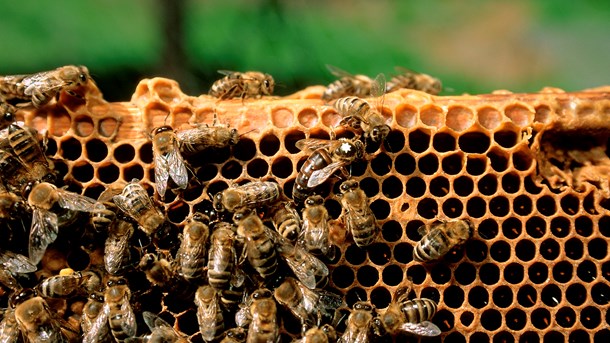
[(574, 248), (527, 296), (551, 295), (354, 295), (453, 208), (530, 186), (83, 126), (133, 171), (124, 153), (403, 253), (379, 253), (606, 270), (511, 183), (489, 273), (440, 274), (546, 205), (269, 145), (281, 167), (178, 212), (476, 250), (70, 149), (367, 276), (499, 206), (602, 336), (427, 164), (476, 165), (554, 336), (512, 228), (282, 117), (343, 276), (94, 190), (108, 173), (513, 273), (392, 275), (381, 209), (562, 271), (465, 273), (600, 293), (431, 115), (569, 204), (491, 319), (590, 317), (355, 255), (488, 185), (391, 187), (406, 116), (506, 138), (439, 186), (504, 337), (413, 230), (565, 317), (452, 164), (474, 142), (522, 160), (427, 208), (489, 117), (463, 186), (459, 118), (391, 231), (431, 293), (525, 250), (466, 318), (245, 149), (82, 172), (394, 142), (583, 226), (598, 248), (419, 141), (538, 272), (145, 153), (586, 271), (417, 274), (51, 147), (96, 150), (519, 114), (498, 160), (529, 337), (516, 319), (257, 168), (560, 227), (453, 296), (576, 294), (207, 172), (476, 207), (543, 114), (479, 337), (308, 117), (541, 318), (443, 142), (415, 187), (535, 227), (381, 164), (290, 140), (380, 297), (502, 296), (549, 249), (231, 170), (500, 251)]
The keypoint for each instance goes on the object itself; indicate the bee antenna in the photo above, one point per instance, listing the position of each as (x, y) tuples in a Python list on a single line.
[(165, 120), (245, 133)]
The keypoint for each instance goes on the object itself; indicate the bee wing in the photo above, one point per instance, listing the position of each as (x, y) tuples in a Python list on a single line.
[(226, 72), (8, 333), (41, 80), (42, 233), (153, 321), (338, 72), (206, 316), (128, 323), (316, 234), (16, 263), (177, 168), (312, 144), (304, 265), (75, 202), (426, 328), (319, 176), (120, 246), (98, 327), (161, 173), (378, 86), (124, 204)]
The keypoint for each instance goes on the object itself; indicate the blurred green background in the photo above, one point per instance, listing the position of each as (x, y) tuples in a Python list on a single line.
[(474, 46)]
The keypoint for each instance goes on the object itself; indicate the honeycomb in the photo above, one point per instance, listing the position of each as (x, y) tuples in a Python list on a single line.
[(529, 170)]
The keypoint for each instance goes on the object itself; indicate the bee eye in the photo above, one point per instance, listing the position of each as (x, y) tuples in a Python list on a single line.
[(266, 82), (83, 78)]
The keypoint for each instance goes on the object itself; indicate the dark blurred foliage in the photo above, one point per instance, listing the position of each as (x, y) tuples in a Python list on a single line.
[(474, 46)]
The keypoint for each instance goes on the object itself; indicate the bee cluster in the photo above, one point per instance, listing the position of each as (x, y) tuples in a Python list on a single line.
[(202, 231)]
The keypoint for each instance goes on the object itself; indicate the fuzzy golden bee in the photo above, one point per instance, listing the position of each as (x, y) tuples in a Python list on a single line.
[(136, 203), (347, 85), (413, 80), (94, 322), (37, 322), (358, 216), (251, 195), (328, 156), (192, 253), (168, 160), (39, 88), (250, 84), (117, 309), (286, 220), (439, 238), (160, 272), (209, 313), (68, 283), (315, 236), (359, 323), (27, 148), (195, 140), (264, 326)]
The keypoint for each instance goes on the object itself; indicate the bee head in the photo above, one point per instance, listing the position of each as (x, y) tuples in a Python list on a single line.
[(200, 217), (314, 200), (363, 306), (217, 203), (348, 185), (116, 282), (25, 294), (261, 294), (161, 129), (27, 188), (268, 84), (8, 117), (379, 133), (237, 334), (241, 214)]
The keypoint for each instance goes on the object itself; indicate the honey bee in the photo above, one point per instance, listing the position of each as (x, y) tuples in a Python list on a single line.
[(359, 323), (286, 220), (251, 84), (160, 330), (413, 80), (43, 198), (347, 85), (193, 141), (209, 314), (252, 194), (64, 285), (359, 217), (105, 210), (9, 330), (136, 203), (234, 335), (259, 246), (359, 115), (117, 309), (192, 252), (407, 315), (168, 161), (40, 88), (117, 253), (162, 274), (12, 264), (264, 326), (26, 147), (327, 157), (94, 321), (36, 320), (16, 174), (324, 334), (223, 274), (439, 238), (309, 306), (315, 235)]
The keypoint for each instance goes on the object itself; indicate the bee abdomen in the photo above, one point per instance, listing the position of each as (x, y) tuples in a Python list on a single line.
[(418, 310), (116, 326), (432, 246)]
